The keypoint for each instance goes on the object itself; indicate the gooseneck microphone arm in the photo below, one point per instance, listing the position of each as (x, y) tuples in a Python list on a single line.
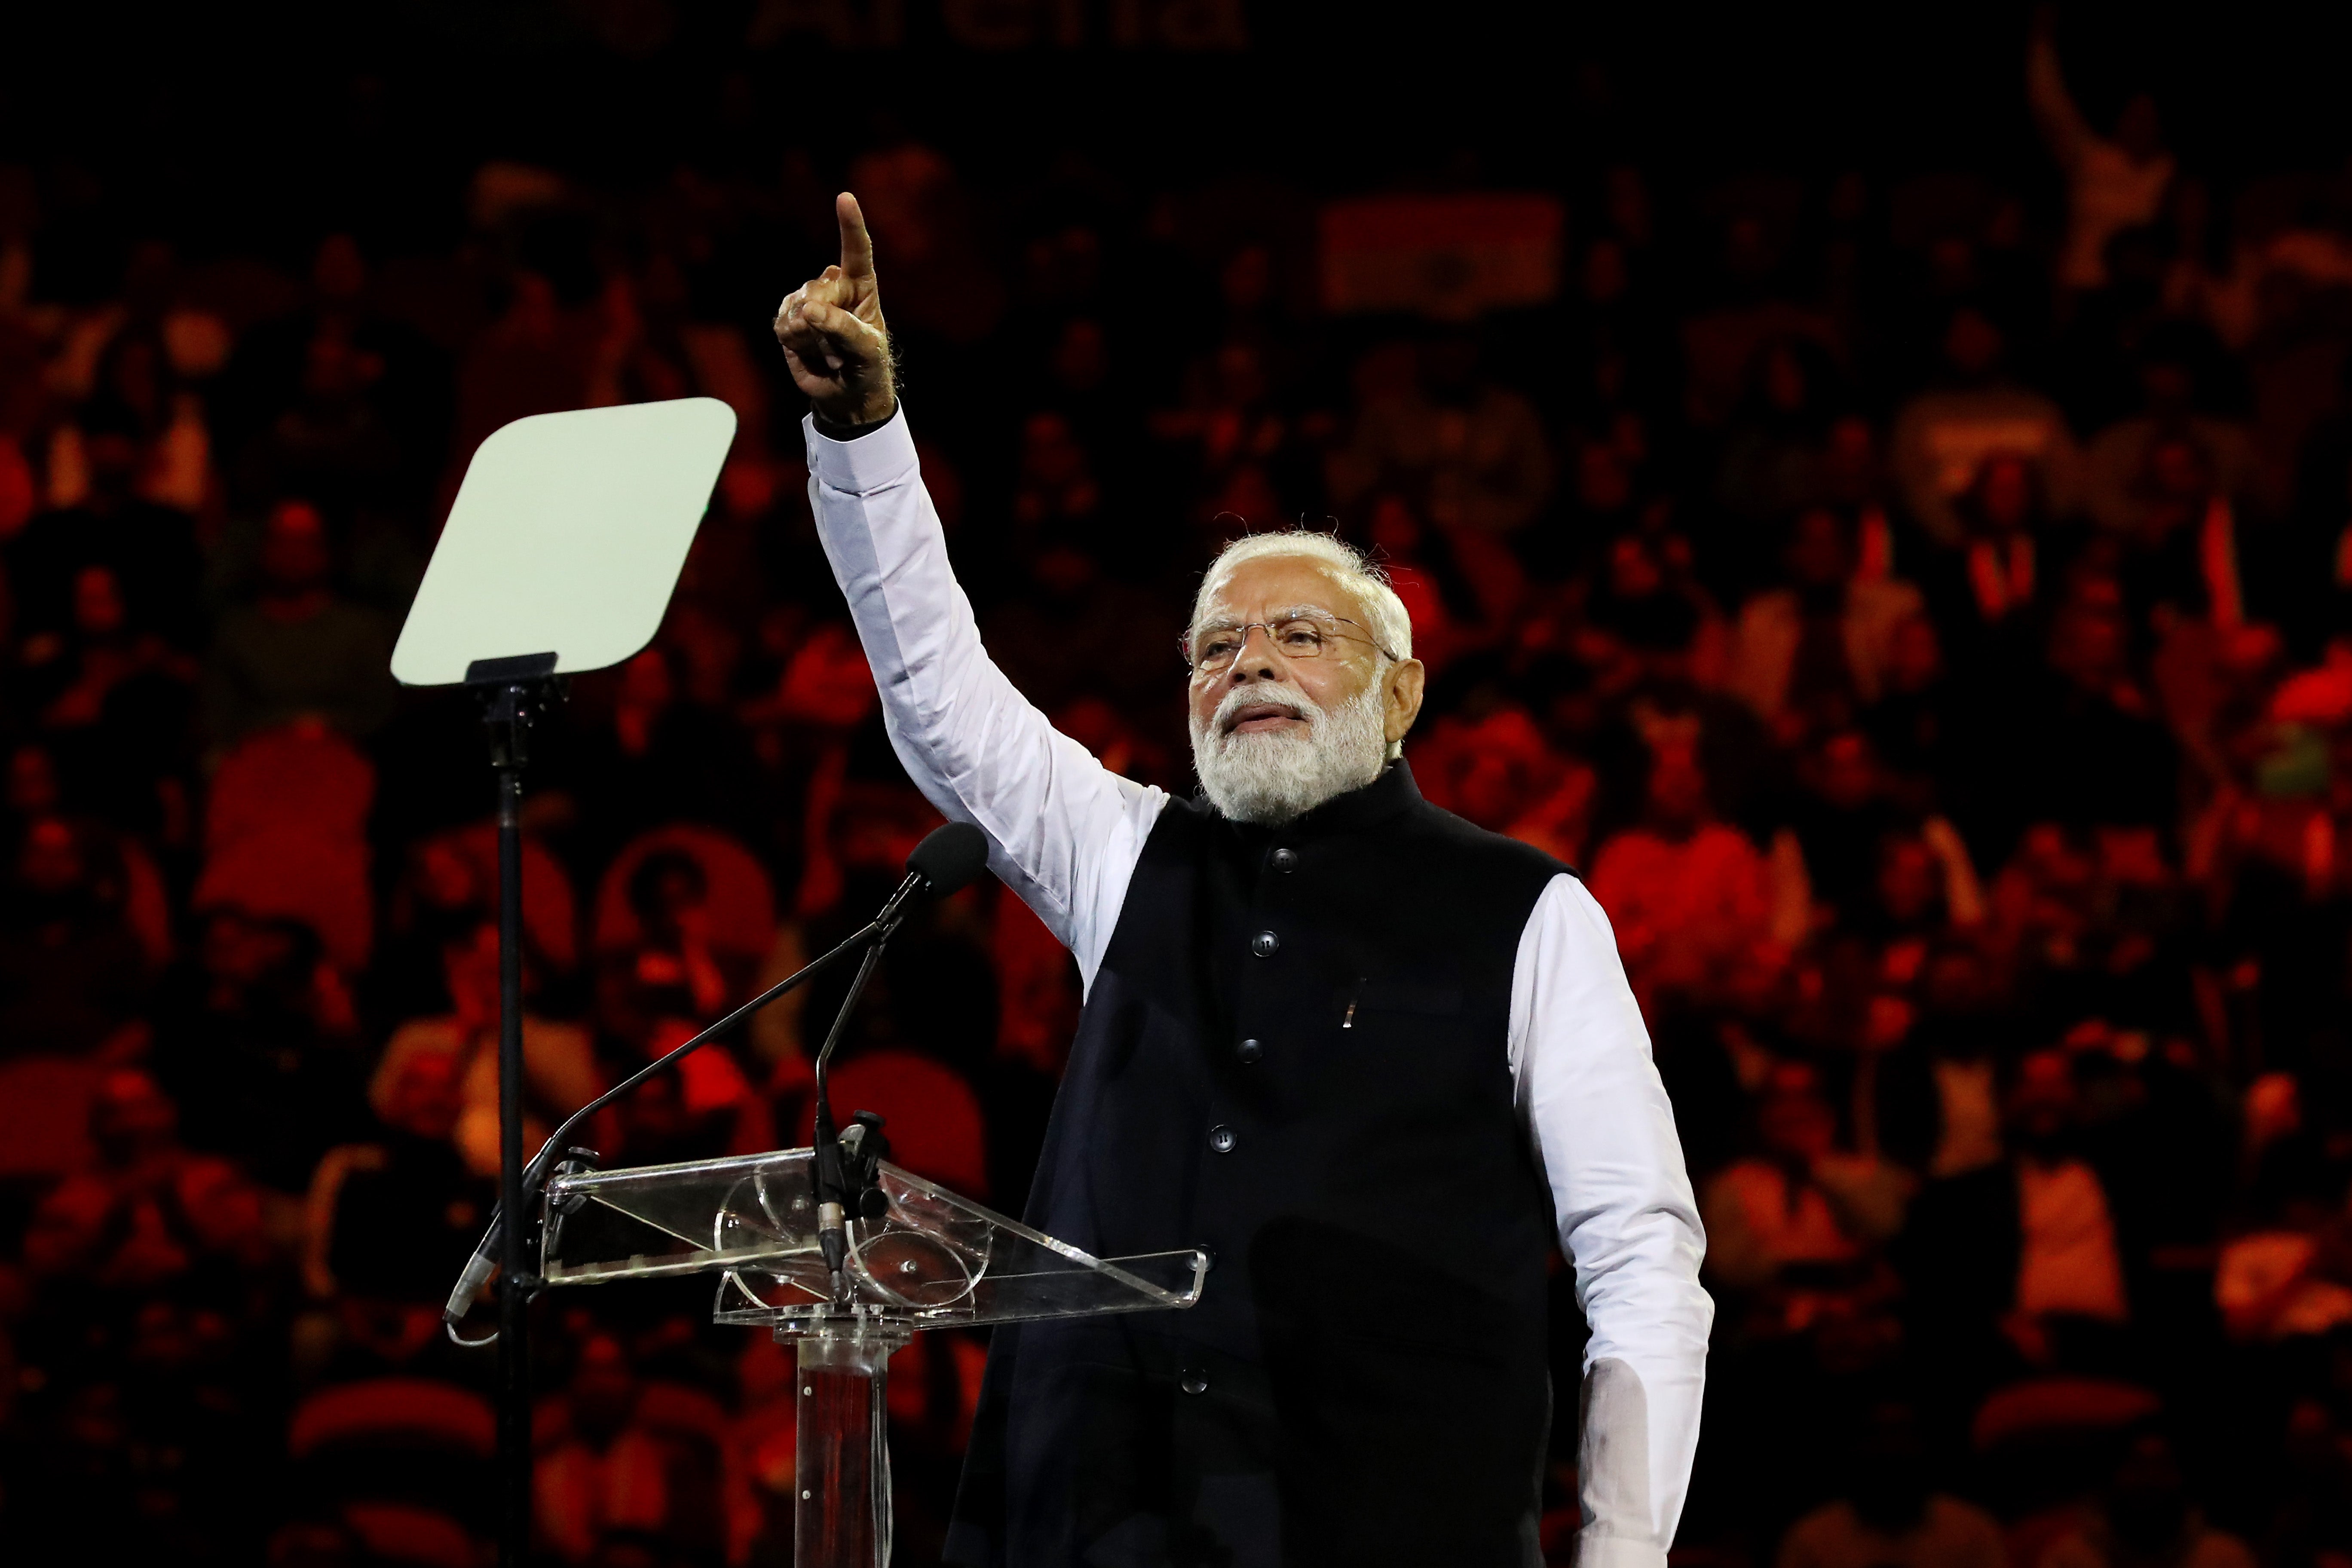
[(946, 860)]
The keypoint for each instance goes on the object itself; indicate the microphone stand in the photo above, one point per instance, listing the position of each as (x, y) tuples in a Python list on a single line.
[(830, 1175)]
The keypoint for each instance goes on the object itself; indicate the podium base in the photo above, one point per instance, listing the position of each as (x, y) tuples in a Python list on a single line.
[(842, 1451)]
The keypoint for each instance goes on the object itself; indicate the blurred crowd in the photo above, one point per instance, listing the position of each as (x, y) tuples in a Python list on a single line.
[(1919, 605)]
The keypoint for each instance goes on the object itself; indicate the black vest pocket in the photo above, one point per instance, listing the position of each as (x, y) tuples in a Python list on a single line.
[(1424, 999)]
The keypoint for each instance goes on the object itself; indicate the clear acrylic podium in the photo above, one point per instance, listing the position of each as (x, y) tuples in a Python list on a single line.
[(934, 1260)]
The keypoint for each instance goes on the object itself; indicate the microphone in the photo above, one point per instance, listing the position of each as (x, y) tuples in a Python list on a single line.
[(946, 861), (948, 858)]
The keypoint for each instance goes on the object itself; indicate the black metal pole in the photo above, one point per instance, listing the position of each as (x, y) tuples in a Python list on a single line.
[(514, 1265), (512, 690)]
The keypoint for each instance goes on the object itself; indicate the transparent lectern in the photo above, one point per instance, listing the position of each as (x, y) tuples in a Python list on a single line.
[(931, 1260)]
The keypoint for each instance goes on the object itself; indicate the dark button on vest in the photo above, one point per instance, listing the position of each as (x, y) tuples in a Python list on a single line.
[(1196, 1381), (1264, 943), (1249, 1053), (1221, 1139), (1286, 860)]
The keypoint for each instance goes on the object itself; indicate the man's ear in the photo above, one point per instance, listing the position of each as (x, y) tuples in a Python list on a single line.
[(1401, 697)]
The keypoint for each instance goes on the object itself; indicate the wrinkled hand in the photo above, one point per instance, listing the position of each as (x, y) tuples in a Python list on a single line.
[(832, 334)]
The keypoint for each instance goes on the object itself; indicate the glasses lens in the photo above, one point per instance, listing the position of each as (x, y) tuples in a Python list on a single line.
[(1301, 637), (1213, 649)]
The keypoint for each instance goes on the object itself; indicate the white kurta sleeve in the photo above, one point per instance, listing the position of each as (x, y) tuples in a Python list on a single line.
[(1063, 831), (1605, 1134)]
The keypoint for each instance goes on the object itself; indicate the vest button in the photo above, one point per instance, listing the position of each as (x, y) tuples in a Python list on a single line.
[(1249, 1053), (1194, 1381), (1264, 943), (1286, 860), (1221, 1139)]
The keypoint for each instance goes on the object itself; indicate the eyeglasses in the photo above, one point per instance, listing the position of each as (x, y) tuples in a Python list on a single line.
[(1211, 650)]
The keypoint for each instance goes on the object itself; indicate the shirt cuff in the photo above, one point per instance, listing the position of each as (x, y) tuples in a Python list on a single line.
[(1594, 1549), (881, 458)]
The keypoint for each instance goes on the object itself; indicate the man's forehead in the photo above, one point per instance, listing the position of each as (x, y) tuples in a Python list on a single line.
[(1266, 583)]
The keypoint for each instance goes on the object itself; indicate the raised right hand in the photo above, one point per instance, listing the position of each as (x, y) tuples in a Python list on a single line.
[(832, 334)]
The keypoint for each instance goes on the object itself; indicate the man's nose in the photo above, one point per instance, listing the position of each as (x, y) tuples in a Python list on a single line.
[(1257, 660)]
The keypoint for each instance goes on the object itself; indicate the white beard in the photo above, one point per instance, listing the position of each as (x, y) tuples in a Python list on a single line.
[(1272, 776)]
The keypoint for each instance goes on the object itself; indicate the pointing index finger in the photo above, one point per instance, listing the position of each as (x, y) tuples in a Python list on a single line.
[(856, 246)]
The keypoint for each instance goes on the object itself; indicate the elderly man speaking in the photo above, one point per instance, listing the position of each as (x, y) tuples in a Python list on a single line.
[(1369, 1056)]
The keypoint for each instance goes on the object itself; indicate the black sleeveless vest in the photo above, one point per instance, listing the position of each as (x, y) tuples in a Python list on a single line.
[(1294, 1055)]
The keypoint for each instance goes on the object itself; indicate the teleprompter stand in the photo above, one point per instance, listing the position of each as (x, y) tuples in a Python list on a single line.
[(921, 1259), (559, 556), (512, 692)]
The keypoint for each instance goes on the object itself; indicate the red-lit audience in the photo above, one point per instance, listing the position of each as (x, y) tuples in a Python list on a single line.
[(1924, 620)]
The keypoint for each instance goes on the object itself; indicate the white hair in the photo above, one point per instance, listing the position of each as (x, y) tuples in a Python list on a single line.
[(1392, 626)]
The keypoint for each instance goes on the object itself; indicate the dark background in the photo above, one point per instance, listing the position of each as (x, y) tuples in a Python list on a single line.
[(217, 1316)]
